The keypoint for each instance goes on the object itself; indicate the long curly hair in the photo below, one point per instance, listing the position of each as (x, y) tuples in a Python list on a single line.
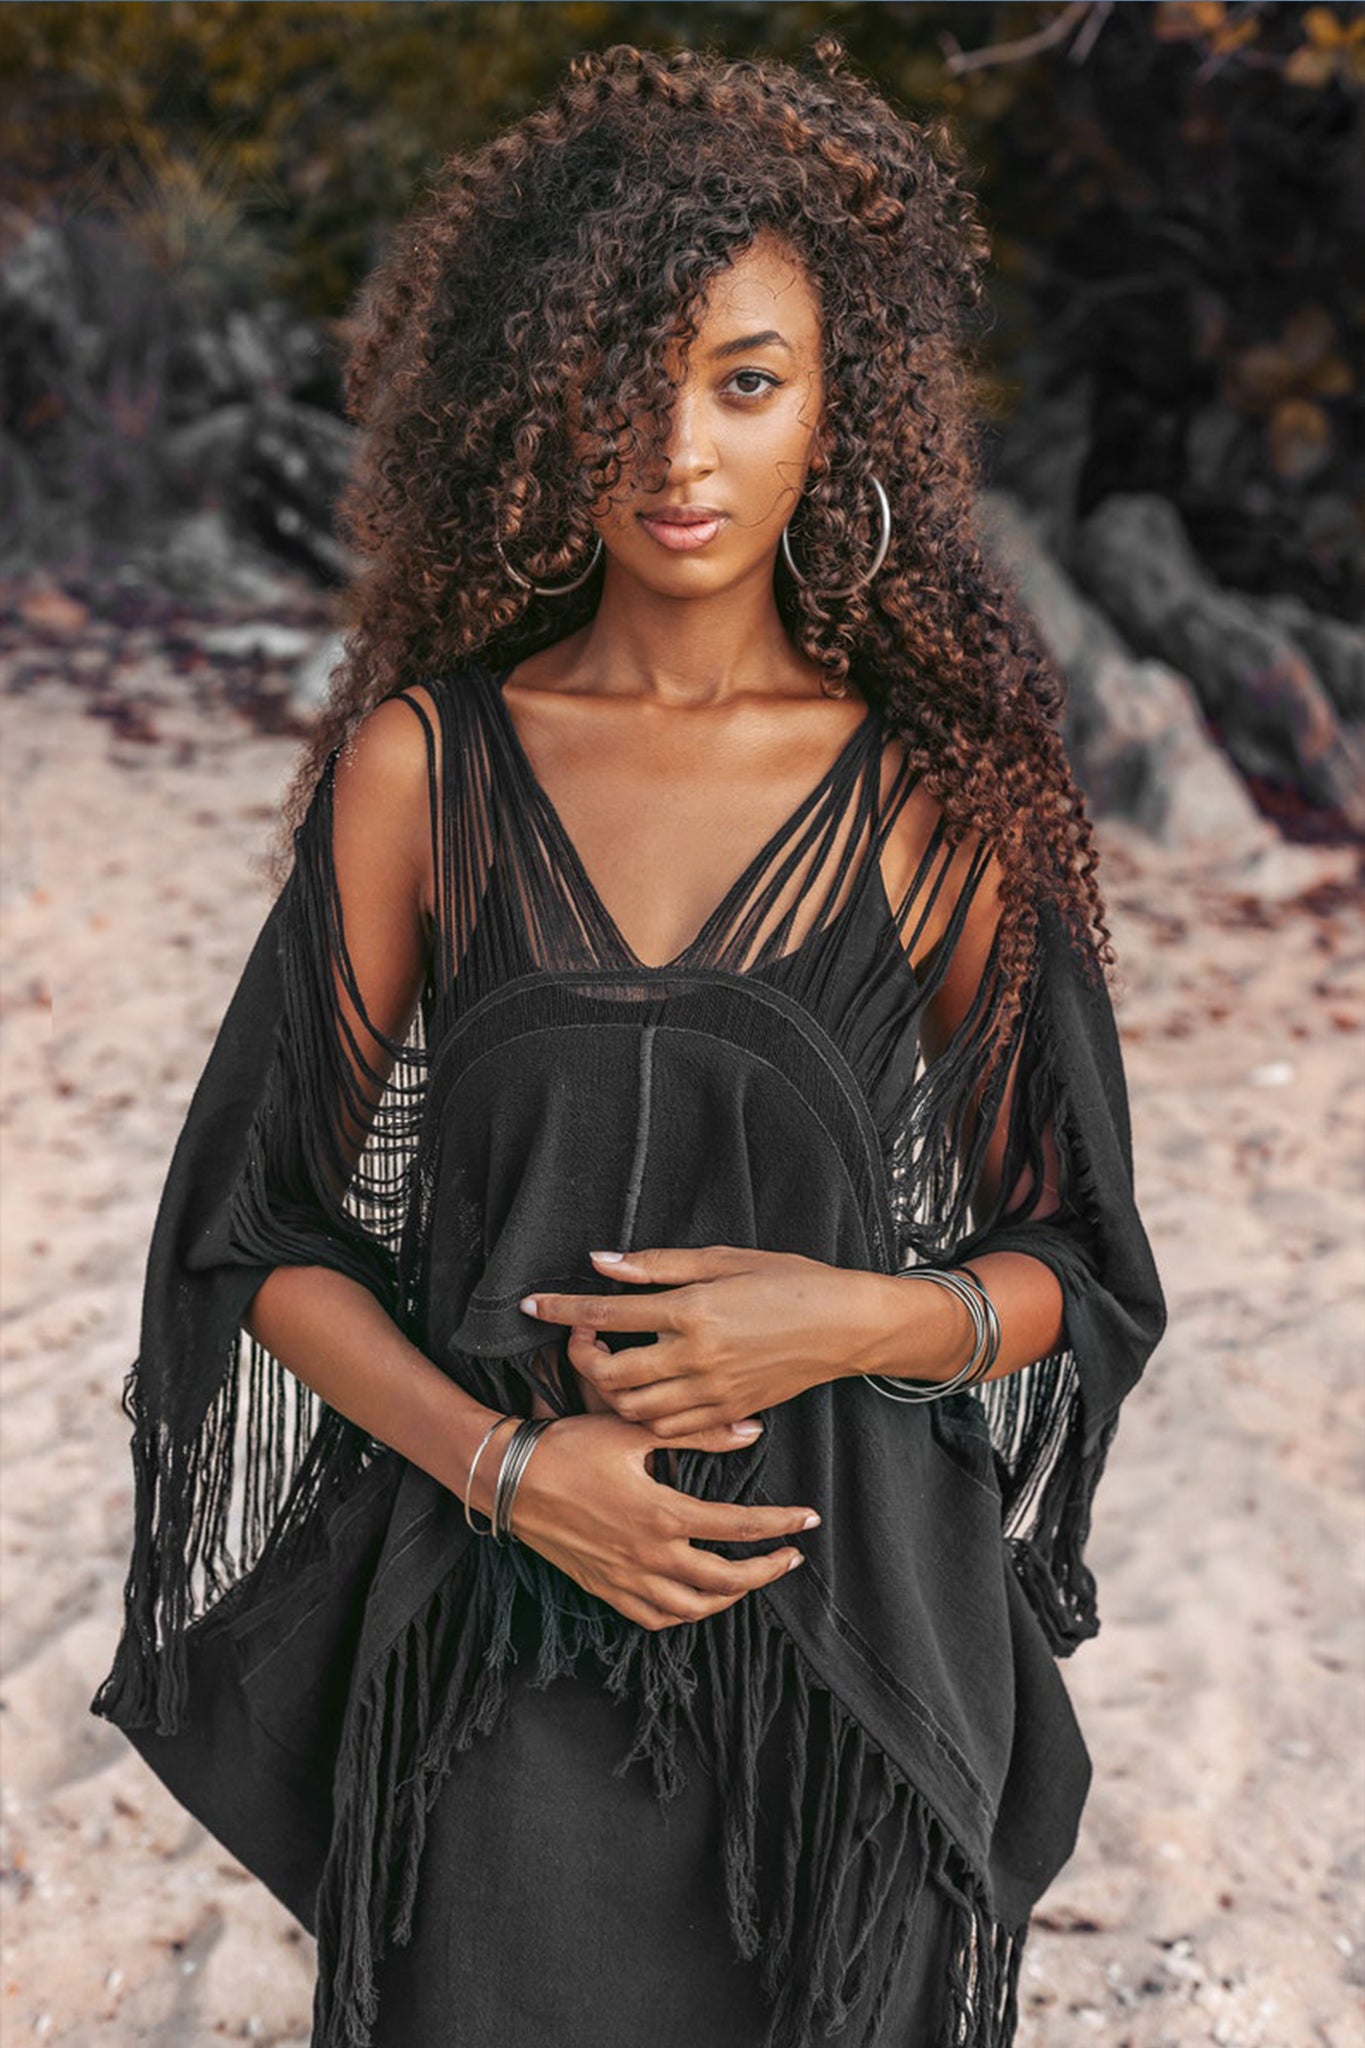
[(571, 252)]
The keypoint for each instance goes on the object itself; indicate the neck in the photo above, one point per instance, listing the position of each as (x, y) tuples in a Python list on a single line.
[(692, 650)]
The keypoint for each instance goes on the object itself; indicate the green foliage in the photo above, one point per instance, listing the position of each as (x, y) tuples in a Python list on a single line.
[(1168, 185), (317, 123)]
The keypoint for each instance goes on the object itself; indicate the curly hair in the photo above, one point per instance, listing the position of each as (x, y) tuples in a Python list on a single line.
[(571, 252)]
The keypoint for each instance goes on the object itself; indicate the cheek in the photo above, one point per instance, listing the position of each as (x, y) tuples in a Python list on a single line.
[(774, 466)]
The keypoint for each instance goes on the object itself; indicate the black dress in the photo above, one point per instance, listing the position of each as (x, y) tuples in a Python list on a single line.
[(511, 1815), (578, 1912)]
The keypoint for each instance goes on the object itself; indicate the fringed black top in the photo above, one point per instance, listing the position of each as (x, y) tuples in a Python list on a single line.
[(311, 1630)]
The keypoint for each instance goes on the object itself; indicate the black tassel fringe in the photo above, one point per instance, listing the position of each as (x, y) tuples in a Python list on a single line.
[(822, 1897)]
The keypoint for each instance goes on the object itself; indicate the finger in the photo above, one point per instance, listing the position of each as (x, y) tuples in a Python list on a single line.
[(685, 1603), (585, 1348), (719, 1436), (646, 1613), (602, 1311), (697, 1603), (673, 1265), (694, 1424), (733, 1577), (646, 1405), (638, 1365), (732, 1521)]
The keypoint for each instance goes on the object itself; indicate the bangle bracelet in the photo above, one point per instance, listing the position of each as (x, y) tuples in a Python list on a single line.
[(992, 1318), (469, 1509), (985, 1349), (515, 1459)]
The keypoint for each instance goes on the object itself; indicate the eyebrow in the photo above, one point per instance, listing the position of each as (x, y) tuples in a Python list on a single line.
[(768, 338)]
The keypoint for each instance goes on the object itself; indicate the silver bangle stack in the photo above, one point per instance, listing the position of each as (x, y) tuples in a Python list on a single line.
[(964, 1284), (515, 1458)]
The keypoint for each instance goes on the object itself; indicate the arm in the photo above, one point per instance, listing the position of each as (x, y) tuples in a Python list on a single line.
[(933, 1338), (328, 1328)]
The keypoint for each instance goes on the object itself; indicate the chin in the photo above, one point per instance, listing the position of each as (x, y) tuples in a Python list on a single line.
[(693, 575)]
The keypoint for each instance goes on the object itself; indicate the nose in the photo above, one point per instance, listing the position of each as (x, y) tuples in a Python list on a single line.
[(690, 445)]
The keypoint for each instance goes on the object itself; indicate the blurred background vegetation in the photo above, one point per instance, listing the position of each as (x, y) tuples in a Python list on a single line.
[(1174, 191), (191, 194)]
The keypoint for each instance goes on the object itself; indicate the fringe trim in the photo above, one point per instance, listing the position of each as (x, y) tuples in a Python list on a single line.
[(182, 1560), (822, 1896), (232, 1453)]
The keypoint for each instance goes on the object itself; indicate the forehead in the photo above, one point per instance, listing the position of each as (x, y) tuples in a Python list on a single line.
[(766, 285)]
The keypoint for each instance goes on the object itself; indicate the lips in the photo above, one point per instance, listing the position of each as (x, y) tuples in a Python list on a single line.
[(682, 527)]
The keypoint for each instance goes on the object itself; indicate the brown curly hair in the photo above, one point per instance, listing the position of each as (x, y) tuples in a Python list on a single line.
[(570, 252)]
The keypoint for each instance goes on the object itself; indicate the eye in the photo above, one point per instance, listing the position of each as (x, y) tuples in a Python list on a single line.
[(766, 382)]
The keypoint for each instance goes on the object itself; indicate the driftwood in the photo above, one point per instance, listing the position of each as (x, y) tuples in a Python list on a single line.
[(1255, 682), (1136, 736)]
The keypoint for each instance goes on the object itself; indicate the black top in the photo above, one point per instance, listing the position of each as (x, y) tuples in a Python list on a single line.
[(766, 1088)]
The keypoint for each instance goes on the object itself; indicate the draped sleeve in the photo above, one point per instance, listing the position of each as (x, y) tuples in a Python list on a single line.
[(1029, 1150), (296, 1149)]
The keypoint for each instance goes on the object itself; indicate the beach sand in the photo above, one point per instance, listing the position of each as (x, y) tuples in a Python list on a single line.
[(1215, 1895)]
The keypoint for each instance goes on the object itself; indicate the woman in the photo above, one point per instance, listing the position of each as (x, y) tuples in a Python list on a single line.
[(682, 1028)]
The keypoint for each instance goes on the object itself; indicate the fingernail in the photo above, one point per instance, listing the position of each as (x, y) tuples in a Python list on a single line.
[(527, 1304), (607, 1258), (798, 1559), (812, 1521), (748, 1430)]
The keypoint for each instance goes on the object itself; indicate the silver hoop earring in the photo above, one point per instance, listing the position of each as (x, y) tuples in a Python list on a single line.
[(884, 510), (551, 589)]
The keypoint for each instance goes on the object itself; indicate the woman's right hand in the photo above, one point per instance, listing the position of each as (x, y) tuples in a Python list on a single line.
[(589, 1504)]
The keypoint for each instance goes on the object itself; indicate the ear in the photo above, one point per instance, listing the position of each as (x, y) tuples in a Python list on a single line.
[(818, 462)]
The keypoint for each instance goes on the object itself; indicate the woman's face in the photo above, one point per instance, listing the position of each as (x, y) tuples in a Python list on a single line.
[(741, 436)]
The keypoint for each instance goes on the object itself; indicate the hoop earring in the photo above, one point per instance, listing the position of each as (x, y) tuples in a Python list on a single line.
[(884, 511), (551, 589)]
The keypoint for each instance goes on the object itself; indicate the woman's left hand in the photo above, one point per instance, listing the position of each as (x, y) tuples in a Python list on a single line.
[(738, 1331)]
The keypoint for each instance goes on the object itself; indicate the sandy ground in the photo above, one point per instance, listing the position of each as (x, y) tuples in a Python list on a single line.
[(1216, 1892)]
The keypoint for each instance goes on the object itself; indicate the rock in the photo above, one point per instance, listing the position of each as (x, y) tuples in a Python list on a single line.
[(1041, 453), (295, 460), (1285, 873), (276, 468), (262, 640), (201, 377), (201, 557), (202, 459), (1334, 647), (48, 608), (21, 505), (1138, 743), (1149, 757), (241, 420), (1252, 679), (277, 352), (313, 677), (267, 351), (48, 354), (40, 315)]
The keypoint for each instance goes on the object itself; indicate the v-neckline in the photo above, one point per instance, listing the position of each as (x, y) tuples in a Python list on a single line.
[(569, 850)]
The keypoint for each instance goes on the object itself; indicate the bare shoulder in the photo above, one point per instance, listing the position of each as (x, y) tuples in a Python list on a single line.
[(383, 786), (388, 747)]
